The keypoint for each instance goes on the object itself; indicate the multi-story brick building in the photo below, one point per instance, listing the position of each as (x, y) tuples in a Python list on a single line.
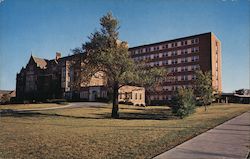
[(182, 57)]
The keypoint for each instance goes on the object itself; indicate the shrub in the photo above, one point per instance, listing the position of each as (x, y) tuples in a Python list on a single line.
[(183, 102)]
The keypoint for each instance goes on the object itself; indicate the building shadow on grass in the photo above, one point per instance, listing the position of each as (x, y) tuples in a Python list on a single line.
[(145, 115)]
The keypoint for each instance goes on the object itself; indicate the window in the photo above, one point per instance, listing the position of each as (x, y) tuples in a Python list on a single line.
[(148, 49), (193, 58), (156, 56), (184, 78), (185, 51), (182, 52), (174, 53), (165, 62), (193, 77), (169, 97), (197, 49), (156, 64), (152, 97), (186, 68), (135, 95), (140, 96), (174, 61), (192, 41), (174, 69), (193, 68), (196, 40), (197, 67), (165, 54), (185, 42), (193, 50)]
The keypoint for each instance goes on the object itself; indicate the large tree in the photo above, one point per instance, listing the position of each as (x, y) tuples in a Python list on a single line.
[(105, 52), (203, 88)]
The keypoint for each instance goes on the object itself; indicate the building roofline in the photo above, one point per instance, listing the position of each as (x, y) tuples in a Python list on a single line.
[(215, 36), (161, 42)]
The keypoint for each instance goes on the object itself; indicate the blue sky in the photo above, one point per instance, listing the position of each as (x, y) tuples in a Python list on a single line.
[(44, 27)]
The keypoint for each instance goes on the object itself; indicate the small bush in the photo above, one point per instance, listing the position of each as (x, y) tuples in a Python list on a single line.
[(183, 102)]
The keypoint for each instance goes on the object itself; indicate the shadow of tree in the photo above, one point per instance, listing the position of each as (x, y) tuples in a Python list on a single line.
[(152, 114)]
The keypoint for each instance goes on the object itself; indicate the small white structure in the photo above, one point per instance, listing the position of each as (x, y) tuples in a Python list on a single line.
[(132, 94)]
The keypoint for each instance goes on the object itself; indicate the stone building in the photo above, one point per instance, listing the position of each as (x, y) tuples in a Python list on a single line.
[(61, 77)]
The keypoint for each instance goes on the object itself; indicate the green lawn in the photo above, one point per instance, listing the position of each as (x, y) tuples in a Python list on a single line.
[(90, 133)]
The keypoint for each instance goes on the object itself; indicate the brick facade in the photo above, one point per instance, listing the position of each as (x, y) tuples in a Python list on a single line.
[(181, 57)]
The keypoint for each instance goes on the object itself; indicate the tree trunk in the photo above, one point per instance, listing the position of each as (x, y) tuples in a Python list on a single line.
[(115, 107), (205, 107)]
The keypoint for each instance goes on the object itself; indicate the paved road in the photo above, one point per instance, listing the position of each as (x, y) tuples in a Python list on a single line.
[(70, 105), (230, 140)]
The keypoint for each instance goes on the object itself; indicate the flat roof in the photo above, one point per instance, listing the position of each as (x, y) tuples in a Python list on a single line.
[(167, 41)]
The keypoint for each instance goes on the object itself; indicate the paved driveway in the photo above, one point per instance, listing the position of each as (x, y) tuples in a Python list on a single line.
[(70, 105)]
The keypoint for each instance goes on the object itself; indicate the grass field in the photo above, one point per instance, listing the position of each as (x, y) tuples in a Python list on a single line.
[(88, 132)]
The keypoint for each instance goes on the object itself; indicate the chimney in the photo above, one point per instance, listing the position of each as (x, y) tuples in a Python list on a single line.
[(58, 55)]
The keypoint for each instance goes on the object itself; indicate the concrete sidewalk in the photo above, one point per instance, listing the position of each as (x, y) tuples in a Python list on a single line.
[(230, 140)]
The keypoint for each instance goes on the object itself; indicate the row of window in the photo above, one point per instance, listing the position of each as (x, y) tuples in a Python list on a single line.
[(184, 68), (134, 96), (160, 97), (85, 94), (216, 65), (174, 79), (173, 61), (168, 97), (168, 54), (166, 46)]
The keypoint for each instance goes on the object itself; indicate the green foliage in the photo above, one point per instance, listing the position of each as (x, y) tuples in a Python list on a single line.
[(203, 88), (183, 102)]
